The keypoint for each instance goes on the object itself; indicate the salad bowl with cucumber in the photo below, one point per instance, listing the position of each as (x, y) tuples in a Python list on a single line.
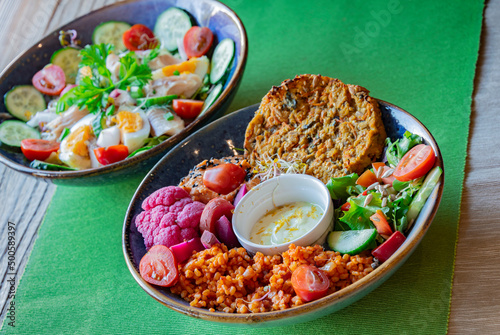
[(409, 176), (109, 93)]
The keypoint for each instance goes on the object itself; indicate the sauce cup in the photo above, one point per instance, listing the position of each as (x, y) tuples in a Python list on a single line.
[(278, 191)]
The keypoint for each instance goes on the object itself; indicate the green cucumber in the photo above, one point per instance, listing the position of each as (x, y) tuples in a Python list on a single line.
[(148, 102), (423, 193), (111, 32), (351, 242), (24, 102), (67, 59), (212, 96), (41, 165), (12, 132), (221, 60), (172, 25)]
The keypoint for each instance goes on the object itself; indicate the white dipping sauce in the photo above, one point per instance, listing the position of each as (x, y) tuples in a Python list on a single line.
[(286, 223)]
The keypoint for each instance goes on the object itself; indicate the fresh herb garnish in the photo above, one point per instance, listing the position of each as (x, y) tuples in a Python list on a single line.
[(95, 87), (168, 116)]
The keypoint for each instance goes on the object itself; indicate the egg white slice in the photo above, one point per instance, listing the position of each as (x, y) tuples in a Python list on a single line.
[(135, 140)]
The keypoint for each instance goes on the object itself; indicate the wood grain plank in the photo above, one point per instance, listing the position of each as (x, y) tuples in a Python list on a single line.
[(475, 306)]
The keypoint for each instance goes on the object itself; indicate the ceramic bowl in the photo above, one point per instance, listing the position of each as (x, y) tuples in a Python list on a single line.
[(213, 14), (222, 138), (278, 191)]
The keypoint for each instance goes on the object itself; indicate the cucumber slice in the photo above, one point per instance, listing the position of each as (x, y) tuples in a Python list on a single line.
[(12, 132), (221, 59), (212, 96), (170, 26), (24, 102), (148, 102), (351, 242), (40, 165), (67, 59), (111, 32)]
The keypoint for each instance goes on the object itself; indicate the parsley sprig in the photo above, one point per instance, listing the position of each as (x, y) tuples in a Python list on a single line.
[(94, 89)]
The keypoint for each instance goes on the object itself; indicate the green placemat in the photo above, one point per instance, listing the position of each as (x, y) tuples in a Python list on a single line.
[(420, 55)]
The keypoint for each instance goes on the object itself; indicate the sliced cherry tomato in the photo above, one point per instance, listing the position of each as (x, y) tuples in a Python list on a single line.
[(198, 41), (366, 179), (186, 108), (415, 163), (111, 154), (38, 149), (309, 282), (380, 222), (386, 249), (224, 178), (387, 180), (159, 266), (139, 37), (50, 80), (345, 207)]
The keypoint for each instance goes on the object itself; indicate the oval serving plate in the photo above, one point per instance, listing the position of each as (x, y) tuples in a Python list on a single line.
[(223, 138), (210, 13)]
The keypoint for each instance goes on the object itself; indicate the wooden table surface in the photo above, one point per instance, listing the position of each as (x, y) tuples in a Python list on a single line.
[(475, 303)]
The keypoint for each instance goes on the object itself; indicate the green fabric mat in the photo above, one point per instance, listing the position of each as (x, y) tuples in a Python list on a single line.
[(420, 55)]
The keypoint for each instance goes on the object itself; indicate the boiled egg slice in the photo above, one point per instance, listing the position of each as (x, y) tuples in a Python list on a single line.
[(74, 149), (134, 128), (196, 65)]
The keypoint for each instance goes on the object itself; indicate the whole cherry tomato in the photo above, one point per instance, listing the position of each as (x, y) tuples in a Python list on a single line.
[(224, 178)]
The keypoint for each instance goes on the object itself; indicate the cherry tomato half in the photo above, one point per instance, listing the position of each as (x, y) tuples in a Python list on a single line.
[(139, 37), (159, 266), (198, 41), (224, 178), (309, 282), (50, 80), (38, 149), (111, 154), (186, 108), (415, 163)]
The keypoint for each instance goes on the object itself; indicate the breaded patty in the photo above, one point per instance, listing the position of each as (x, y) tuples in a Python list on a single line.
[(193, 182), (334, 128)]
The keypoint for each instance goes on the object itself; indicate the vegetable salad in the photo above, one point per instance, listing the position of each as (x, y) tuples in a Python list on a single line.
[(127, 92)]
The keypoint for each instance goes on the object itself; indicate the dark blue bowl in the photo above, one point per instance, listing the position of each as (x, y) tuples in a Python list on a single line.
[(223, 138), (210, 13)]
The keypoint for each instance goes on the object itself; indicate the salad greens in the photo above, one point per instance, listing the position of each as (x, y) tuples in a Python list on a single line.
[(397, 202), (397, 149)]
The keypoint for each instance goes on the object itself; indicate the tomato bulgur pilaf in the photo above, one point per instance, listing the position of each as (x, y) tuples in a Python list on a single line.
[(233, 281)]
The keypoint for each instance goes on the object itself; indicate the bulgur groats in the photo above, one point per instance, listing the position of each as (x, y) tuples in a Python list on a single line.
[(232, 281)]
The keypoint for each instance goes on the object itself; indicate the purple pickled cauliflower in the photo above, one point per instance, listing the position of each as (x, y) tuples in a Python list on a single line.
[(170, 216)]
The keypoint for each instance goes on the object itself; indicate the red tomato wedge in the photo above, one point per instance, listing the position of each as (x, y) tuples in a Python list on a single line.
[(309, 282), (224, 178), (366, 179), (50, 80), (186, 108), (198, 41), (38, 149), (159, 266), (380, 222), (139, 37), (415, 163), (111, 154)]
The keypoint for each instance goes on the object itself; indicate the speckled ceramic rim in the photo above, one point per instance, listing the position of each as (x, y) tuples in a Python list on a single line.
[(225, 95), (342, 298)]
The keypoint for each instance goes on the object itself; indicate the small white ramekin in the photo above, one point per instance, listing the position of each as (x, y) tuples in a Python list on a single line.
[(281, 190)]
